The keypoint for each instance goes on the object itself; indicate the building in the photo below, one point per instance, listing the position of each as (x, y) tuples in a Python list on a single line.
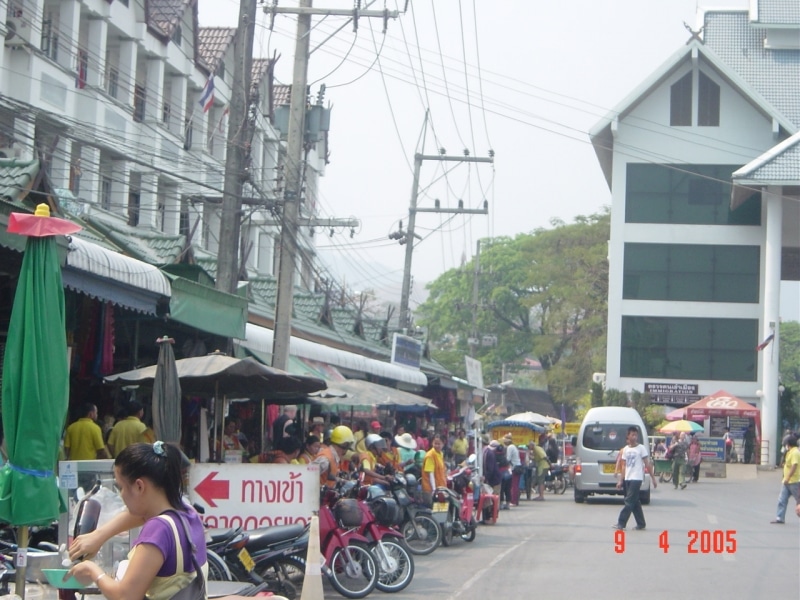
[(703, 162)]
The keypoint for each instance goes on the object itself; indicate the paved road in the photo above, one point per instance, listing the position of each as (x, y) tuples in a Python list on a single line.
[(559, 548)]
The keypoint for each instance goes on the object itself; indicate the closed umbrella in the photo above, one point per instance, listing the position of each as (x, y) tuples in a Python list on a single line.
[(35, 381), (166, 394)]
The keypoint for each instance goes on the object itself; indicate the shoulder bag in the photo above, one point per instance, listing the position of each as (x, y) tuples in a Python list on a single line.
[(196, 590)]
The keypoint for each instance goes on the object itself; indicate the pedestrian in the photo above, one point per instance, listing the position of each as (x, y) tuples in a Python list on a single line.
[(433, 471), (542, 466), (727, 438), (316, 427), (284, 426), (694, 458), (460, 447), (150, 483), (84, 438), (360, 434), (369, 461), (634, 460), (289, 451), (230, 446), (511, 481), (310, 450), (790, 484), (406, 449), (129, 430), (749, 444), (550, 446), (332, 454), (677, 450), (491, 471)]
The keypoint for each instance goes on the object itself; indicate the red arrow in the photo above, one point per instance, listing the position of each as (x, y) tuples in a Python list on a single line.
[(210, 490)]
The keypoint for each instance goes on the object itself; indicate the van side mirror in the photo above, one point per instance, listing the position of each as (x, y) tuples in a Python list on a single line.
[(574, 441)]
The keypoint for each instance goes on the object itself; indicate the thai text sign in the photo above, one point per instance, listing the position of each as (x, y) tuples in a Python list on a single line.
[(672, 393), (254, 495), (712, 449)]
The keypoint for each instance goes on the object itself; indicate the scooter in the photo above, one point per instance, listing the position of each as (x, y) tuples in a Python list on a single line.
[(422, 534), (555, 481), (453, 507)]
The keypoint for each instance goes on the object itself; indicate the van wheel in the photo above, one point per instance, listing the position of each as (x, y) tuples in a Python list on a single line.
[(644, 497), (579, 496)]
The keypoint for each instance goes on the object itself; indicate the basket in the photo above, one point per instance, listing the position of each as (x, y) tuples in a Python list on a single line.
[(386, 511), (347, 513)]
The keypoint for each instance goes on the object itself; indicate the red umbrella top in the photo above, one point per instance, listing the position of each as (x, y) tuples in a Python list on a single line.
[(40, 223)]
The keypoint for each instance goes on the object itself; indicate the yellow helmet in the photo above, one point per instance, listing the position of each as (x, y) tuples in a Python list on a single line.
[(342, 436)]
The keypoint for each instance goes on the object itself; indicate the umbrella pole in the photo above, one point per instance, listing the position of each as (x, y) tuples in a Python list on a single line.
[(22, 549)]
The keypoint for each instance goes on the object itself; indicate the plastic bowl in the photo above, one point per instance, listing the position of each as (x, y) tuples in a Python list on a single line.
[(55, 577)]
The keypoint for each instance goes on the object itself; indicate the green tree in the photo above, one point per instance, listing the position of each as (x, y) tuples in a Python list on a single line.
[(790, 372), (541, 294)]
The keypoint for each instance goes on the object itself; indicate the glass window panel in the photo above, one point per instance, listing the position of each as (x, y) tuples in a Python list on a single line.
[(707, 102), (680, 109)]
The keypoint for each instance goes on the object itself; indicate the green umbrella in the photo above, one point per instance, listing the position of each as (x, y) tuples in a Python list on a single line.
[(35, 380), (167, 394)]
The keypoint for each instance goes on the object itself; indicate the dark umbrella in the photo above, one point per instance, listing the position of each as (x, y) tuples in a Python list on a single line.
[(167, 394), (35, 380)]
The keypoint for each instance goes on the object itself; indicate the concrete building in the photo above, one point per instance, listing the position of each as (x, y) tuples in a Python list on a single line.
[(703, 161)]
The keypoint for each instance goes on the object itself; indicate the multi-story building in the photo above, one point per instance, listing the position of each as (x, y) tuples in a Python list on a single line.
[(703, 161)]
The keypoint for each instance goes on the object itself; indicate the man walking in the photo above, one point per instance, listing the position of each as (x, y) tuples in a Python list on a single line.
[(790, 484), (84, 438), (678, 448), (634, 459)]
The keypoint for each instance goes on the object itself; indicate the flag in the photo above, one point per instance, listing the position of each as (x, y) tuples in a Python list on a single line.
[(207, 97), (227, 110), (766, 342)]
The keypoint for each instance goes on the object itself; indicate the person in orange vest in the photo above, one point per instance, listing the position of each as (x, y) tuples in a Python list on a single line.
[(370, 460), (433, 471), (331, 455)]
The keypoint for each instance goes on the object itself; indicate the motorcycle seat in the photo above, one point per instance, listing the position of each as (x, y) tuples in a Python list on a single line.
[(261, 538), (215, 536)]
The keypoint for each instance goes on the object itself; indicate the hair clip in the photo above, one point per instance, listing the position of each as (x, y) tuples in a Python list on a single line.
[(158, 448)]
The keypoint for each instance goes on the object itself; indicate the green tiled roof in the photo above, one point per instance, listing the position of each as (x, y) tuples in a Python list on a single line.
[(308, 306), (264, 293), (152, 247), (373, 329), (16, 178), (344, 320)]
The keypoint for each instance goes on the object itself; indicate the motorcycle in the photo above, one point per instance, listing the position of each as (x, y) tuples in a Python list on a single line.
[(453, 506), (555, 481), (422, 534), (380, 515)]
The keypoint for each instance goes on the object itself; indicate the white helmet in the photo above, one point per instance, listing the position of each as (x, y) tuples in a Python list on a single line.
[(375, 439)]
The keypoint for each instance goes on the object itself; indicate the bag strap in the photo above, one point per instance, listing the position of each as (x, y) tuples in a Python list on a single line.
[(192, 548)]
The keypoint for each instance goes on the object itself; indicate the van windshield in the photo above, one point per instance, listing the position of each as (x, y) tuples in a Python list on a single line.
[(607, 436)]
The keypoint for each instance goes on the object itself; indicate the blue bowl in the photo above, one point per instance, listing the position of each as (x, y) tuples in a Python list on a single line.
[(55, 577)]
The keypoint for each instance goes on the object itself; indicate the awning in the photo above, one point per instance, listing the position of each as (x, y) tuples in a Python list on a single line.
[(259, 340), (365, 393), (113, 277), (207, 309)]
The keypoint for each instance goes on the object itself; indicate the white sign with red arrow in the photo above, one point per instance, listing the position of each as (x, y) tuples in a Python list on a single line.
[(254, 495)]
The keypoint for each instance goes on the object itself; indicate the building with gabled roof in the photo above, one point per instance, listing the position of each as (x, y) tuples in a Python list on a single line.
[(703, 164)]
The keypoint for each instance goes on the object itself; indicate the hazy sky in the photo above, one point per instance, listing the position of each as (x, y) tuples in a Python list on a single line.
[(526, 79)]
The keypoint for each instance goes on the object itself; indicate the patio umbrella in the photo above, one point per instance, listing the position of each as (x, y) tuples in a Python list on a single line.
[(357, 392), (166, 394), (35, 381), (682, 425)]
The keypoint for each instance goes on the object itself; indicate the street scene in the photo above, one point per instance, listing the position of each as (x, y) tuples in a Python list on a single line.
[(317, 299)]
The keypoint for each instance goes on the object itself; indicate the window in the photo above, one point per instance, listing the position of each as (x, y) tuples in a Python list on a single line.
[(220, 70), (685, 194), (691, 272), (183, 222), (112, 82), (689, 348), (83, 68), (134, 202), (139, 103), (187, 128), (105, 193), (680, 105), (49, 41), (166, 113), (177, 35), (606, 436), (707, 102)]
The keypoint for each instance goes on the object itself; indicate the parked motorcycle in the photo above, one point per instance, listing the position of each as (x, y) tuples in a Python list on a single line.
[(453, 506), (555, 481), (422, 534)]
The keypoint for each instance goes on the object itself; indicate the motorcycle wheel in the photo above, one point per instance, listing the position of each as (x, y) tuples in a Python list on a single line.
[(559, 485), (447, 531), (422, 535), (398, 578), (284, 576), (470, 535), (354, 579), (217, 569)]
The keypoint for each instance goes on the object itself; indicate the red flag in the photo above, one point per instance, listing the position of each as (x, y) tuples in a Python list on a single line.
[(766, 342)]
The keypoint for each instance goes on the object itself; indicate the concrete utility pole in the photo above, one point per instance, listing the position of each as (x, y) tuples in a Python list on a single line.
[(405, 321), (473, 340), (239, 134), (294, 167)]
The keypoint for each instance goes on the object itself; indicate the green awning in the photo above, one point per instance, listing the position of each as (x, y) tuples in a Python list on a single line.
[(207, 309)]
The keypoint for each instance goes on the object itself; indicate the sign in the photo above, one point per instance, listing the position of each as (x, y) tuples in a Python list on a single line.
[(406, 351), (712, 449), (717, 426), (474, 371), (520, 436), (254, 495), (672, 393), (68, 475), (571, 428)]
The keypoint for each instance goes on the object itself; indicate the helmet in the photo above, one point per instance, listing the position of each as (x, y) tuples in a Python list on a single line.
[(374, 439), (342, 436)]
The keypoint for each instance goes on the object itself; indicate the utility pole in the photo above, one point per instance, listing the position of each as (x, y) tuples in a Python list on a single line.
[(405, 320), (294, 165), (473, 340)]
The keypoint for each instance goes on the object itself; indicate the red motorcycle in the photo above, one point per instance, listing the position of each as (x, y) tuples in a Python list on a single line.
[(349, 563), (453, 507)]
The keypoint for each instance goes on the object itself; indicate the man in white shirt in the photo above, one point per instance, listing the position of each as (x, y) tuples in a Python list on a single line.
[(634, 459)]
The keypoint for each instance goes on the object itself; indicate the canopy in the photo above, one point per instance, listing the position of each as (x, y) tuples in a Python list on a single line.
[(357, 392), (221, 375), (680, 413), (530, 420), (722, 404)]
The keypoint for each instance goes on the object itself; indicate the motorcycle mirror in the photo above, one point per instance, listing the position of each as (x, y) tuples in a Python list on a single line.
[(472, 459)]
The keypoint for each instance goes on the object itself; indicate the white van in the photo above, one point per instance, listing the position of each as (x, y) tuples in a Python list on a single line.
[(602, 435)]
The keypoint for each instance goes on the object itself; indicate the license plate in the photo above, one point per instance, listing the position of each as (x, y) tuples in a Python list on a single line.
[(246, 560), (609, 467), (440, 506)]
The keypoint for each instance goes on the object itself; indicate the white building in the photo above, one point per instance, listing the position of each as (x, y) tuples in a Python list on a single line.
[(703, 161), (106, 93)]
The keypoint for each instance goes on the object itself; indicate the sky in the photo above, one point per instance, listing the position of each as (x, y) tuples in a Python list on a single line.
[(523, 79)]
